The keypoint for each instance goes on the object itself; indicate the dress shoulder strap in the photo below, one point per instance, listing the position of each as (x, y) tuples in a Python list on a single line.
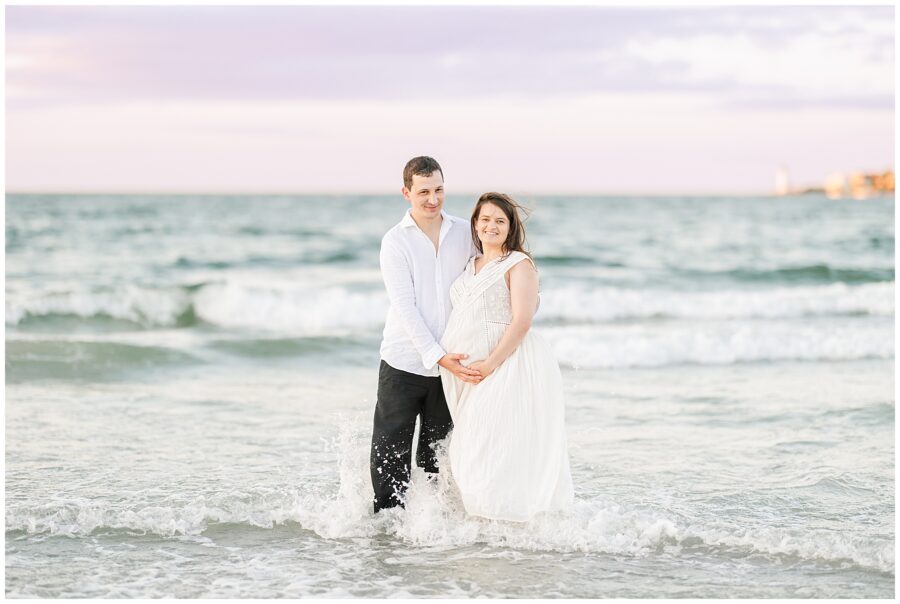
[(489, 275), (476, 285), (515, 258)]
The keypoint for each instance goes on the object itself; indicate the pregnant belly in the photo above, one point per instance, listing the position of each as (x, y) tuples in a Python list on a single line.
[(465, 335)]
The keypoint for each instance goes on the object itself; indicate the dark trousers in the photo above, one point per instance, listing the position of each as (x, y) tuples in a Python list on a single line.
[(402, 397)]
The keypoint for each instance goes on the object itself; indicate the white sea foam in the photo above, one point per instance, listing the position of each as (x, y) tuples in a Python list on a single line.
[(579, 303), (621, 329), (304, 308), (435, 517), (146, 306), (720, 342), (297, 309)]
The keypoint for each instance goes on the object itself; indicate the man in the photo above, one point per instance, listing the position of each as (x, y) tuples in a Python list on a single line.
[(421, 256)]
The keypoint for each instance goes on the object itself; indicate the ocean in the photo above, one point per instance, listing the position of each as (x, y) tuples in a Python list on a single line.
[(190, 382)]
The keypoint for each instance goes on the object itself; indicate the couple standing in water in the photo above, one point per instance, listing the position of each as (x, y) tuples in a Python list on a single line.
[(459, 354)]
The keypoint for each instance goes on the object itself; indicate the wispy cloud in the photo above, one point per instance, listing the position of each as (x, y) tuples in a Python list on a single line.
[(521, 98), (765, 54)]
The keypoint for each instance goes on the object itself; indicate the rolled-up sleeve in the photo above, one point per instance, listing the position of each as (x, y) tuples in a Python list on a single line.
[(397, 275)]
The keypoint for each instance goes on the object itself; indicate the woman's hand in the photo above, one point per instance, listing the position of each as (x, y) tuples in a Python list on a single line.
[(482, 367), (451, 362)]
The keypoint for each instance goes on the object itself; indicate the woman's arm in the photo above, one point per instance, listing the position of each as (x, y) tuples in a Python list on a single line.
[(523, 291)]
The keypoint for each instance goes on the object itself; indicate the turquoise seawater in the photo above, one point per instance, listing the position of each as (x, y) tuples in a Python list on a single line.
[(190, 382)]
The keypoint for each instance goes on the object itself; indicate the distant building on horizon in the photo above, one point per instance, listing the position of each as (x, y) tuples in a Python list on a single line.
[(859, 185), (839, 185)]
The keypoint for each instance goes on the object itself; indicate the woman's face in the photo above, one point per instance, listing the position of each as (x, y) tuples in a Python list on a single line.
[(492, 226)]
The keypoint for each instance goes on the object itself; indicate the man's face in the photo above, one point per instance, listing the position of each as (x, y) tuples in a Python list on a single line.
[(426, 195)]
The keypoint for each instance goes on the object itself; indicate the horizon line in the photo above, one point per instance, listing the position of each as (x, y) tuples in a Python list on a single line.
[(175, 193)]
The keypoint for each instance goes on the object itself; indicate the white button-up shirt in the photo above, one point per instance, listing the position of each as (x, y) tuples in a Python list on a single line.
[(418, 286)]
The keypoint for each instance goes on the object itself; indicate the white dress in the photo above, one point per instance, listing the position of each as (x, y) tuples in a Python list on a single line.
[(507, 451)]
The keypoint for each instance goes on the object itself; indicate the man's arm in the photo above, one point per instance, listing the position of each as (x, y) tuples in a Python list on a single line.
[(398, 281), (402, 294)]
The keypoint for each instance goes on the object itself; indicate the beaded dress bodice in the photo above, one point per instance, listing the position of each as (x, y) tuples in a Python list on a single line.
[(495, 300), (495, 305)]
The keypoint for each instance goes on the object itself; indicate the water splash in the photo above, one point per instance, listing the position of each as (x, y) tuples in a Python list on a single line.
[(435, 517)]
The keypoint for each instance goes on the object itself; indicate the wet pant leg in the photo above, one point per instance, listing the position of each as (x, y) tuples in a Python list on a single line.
[(400, 400), (435, 426)]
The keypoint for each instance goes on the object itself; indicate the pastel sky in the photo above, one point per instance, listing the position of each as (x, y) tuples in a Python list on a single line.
[(531, 99)]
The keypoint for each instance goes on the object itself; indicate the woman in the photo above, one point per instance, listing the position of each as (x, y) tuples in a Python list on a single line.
[(507, 451)]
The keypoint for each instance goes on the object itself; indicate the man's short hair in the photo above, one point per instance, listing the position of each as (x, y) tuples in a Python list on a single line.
[(423, 166)]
